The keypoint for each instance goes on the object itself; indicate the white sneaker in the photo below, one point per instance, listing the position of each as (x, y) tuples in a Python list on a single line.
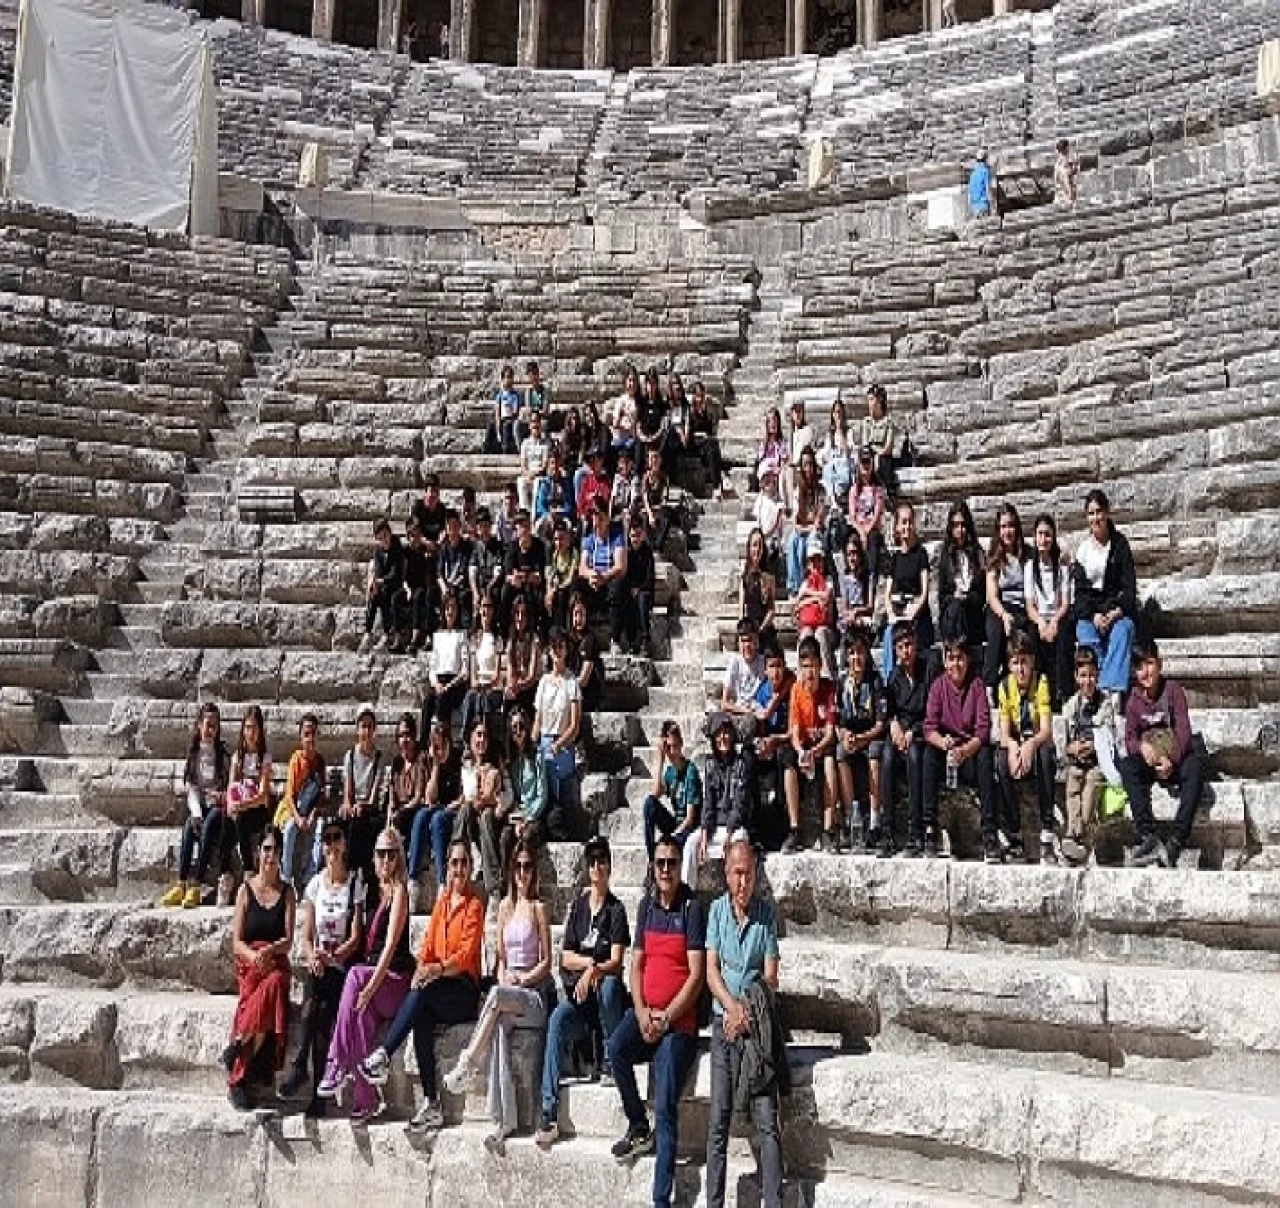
[(429, 1117), (459, 1079), (226, 889), (376, 1068)]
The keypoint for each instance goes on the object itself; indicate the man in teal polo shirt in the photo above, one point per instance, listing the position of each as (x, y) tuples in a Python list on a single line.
[(742, 950)]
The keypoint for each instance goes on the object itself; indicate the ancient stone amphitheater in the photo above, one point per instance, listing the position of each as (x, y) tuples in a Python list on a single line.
[(196, 433)]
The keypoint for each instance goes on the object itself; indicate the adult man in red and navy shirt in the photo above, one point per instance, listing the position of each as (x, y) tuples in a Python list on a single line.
[(667, 970)]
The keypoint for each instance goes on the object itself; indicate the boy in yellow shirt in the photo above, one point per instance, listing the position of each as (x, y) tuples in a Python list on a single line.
[(1026, 745)]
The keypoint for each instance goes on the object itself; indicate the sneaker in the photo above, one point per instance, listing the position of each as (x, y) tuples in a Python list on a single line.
[(1049, 848), (496, 1143), (239, 1097), (1173, 850), (991, 853), (615, 649), (331, 1084), (429, 1117), (1073, 851), (1150, 851), (226, 889), (914, 849), (790, 845), (606, 1076), (192, 898), (637, 1143), (931, 850), (376, 1068), (459, 1079), (886, 849), (174, 895), (548, 1132), (229, 1055), (1014, 853), (317, 1109), (294, 1084), (362, 1115), (827, 842)]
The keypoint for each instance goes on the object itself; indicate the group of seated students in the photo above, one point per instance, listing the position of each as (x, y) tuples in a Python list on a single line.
[(1022, 631), (589, 509), (366, 994)]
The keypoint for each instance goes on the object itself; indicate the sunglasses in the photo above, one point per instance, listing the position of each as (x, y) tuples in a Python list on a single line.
[(523, 866), (666, 864), (333, 837), (268, 849), (385, 853)]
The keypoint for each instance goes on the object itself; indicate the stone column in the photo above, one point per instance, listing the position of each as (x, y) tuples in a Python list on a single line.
[(932, 14), (870, 22), (389, 12), (663, 31), (798, 40), (322, 20), (253, 12), (596, 48), (731, 17), (533, 23), (999, 8), (460, 21)]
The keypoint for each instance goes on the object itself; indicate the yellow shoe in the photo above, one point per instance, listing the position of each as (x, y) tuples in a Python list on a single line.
[(174, 896), (192, 898)]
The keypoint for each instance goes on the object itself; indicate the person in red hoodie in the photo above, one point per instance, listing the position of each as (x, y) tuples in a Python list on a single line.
[(957, 733), (1157, 742)]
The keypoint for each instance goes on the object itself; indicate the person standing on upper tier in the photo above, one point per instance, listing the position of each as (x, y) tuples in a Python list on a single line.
[(982, 188)]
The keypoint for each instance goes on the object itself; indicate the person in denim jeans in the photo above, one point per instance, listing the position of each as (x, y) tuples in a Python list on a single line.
[(667, 971), (556, 721), (742, 949), (596, 937)]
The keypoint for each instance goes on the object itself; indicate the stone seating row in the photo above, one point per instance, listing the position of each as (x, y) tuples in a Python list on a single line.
[(277, 93), (736, 128), (487, 131), (924, 100)]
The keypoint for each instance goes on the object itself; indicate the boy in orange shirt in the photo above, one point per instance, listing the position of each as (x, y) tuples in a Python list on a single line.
[(813, 736)]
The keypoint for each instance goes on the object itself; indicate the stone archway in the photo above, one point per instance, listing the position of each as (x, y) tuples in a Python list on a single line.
[(631, 34), (495, 32), (763, 32), (696, 32), (421, 24), (292, 16), (355, 22), (564, 34)]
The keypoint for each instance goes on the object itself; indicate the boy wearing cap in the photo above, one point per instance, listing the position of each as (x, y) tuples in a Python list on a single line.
[(596, 938)]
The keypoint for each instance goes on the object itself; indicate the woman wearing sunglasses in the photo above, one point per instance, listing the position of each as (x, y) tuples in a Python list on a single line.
[(375, 987), (332, 928), (519, 1000), (262, 937), (445, 989)]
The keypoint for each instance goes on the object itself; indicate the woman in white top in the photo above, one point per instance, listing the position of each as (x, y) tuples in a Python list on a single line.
[(447, 668), (521, 998), (557, 718), (484, 696), (1006, 588), (1048, 593), (624, 414), (248, 797), (332, 930), (838, 457), (533, 460)]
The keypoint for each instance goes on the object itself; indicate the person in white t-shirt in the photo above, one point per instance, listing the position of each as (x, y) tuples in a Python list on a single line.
[(743, 675), (533, 460), (332, 927), (557, 718)]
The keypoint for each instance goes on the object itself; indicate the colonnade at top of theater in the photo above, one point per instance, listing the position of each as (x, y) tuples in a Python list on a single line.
[(619, 34)]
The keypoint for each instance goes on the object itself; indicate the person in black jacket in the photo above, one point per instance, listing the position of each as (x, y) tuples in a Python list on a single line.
[(386, 582), (1106, 595), (961, 584), (906, 695), (727, 791), (637, 591)]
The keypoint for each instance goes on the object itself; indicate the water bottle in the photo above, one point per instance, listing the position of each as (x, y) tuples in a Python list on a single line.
[(952, 779)]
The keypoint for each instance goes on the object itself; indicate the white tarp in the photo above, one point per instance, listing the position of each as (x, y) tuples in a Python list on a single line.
[(113, 114)]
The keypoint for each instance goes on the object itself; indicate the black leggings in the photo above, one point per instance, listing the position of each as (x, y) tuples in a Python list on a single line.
[(319, 1014)]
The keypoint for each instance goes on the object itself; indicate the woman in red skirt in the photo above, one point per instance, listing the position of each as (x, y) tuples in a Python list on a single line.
[(263, 936)]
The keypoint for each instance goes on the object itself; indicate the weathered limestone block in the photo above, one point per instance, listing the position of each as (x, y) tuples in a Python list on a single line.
[(49, 1143), (64, 864), (210, 623), (226, 578), (608, 738), (345, 540), (168, 673), (23, 712), (328, 677), (390, 473), (403, 683), (1025, 905), (315, 581), (55, 531), (170, 1039), (74, 1040), (44, 664), (17, 1026), (147, 857), (240, 675), (830, 986)]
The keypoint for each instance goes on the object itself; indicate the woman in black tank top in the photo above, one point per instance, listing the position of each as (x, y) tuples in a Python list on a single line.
[(263, 936)]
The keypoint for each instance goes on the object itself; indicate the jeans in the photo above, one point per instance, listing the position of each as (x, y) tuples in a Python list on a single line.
[(636, 614), (440, 818), (562, 770), (974, 772), (890, 759), (1188, 778), (382, 608), (208, 833), (445, 1001), (481, 826), (1114, 652), (288, 857), (420, 840), (572, 1021), (797, 543), (1042, 773), (658, 819), (672, 1059), (924, 642), (726, 1058)]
